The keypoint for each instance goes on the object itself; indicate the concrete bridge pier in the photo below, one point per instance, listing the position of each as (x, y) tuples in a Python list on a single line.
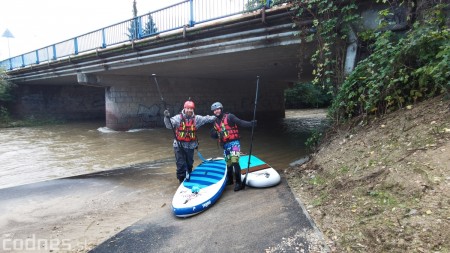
[(134, 102)]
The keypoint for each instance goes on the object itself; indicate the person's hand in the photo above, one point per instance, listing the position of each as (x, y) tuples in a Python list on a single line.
[(167, 113), (213, 133), (254, 122)]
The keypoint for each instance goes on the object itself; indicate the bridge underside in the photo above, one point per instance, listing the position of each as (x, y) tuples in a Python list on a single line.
[(212, 62)]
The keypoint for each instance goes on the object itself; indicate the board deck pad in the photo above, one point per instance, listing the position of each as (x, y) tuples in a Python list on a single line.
[(206, 174), (260, 174), (255, 164)]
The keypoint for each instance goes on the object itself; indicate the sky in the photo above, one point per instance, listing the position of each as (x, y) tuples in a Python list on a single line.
[(40, 23)]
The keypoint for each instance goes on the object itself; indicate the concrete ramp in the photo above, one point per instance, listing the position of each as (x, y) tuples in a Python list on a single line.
[(253, 220)]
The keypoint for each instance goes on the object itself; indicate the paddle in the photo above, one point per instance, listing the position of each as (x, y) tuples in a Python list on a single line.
[(251, 140), (201, 157), (173, 130)]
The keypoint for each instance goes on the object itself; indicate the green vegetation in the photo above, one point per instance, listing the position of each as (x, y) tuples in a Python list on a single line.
[(4, 114), (6, 96), (332, 21), (253, 4), (306, 95), (402, 70), (5, 88), (384, 177), (320, 199), (317, 180), (383, 197), (133, 30), (314, 140)]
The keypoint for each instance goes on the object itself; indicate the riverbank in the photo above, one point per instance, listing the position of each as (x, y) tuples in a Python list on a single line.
[(383, 185)]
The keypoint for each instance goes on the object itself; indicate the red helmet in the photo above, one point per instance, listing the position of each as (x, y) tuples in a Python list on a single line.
[(189, 104)]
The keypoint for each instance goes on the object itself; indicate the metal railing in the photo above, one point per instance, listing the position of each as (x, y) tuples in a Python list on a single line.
[(176, 16)]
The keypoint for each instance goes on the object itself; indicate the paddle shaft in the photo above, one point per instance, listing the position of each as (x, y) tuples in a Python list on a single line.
[(171, 125), (253, 128), (201, 156)]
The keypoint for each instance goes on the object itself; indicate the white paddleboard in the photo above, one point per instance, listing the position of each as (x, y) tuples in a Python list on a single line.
[(205, 186), (260, 174)]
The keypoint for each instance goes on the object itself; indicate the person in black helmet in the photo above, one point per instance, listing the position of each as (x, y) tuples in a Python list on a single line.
[(226, 131), (185, 124)]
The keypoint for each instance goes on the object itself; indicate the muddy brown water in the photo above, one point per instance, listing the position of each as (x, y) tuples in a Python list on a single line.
[(35, 154)]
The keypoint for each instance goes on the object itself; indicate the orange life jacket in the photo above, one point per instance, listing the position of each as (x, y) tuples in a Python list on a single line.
[(226, 132), (187, 129)]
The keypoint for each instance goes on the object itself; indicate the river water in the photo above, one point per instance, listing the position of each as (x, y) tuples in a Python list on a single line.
[(35, 154)]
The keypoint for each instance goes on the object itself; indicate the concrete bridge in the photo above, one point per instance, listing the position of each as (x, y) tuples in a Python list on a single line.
[(214, 61)]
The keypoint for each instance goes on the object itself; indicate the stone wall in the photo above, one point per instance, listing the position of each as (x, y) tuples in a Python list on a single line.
[(60, 102)]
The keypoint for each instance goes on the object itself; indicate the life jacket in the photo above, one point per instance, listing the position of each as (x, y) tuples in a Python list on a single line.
[(187, 129), (226, 132)]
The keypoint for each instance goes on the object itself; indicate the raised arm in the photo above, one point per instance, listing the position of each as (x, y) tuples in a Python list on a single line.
[(239, 122), (201, 120), (175, 121)]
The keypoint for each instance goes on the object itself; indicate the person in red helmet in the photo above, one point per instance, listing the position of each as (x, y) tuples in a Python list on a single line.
[(185, 124), (226, 131)]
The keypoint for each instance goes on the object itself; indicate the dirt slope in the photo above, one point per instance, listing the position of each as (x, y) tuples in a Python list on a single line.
[(382, 186)]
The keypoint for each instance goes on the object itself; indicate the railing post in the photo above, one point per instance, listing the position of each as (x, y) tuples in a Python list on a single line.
[(10, 64), (103, 38), (135, 29), (23, 61), (54, 52), (47, 54), (191, 8), (37, 56), (75, 45), (139, 27)]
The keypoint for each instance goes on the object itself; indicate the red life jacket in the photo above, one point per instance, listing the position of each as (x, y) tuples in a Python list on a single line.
[(225, 131), (187, 129)]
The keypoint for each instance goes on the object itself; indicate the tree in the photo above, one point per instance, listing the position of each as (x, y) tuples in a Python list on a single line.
[(133, 30), (150, 26)]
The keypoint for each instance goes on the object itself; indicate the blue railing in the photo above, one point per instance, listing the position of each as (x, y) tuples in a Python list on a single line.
[(176, 16)]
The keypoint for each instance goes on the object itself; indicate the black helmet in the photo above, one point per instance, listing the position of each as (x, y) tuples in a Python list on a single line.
[(216, 105)]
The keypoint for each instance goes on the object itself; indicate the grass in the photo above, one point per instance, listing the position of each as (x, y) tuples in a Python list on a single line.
[(317, 181), (383, 197)]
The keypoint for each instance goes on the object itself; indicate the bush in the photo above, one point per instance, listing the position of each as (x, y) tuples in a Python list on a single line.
[(5, 88), (4, 114), (6, 95), (402, 70)]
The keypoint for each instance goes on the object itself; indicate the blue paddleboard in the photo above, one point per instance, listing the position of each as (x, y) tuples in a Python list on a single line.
[(205, 186)]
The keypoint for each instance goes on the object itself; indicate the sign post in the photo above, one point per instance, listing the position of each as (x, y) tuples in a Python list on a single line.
[(7, 34)]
